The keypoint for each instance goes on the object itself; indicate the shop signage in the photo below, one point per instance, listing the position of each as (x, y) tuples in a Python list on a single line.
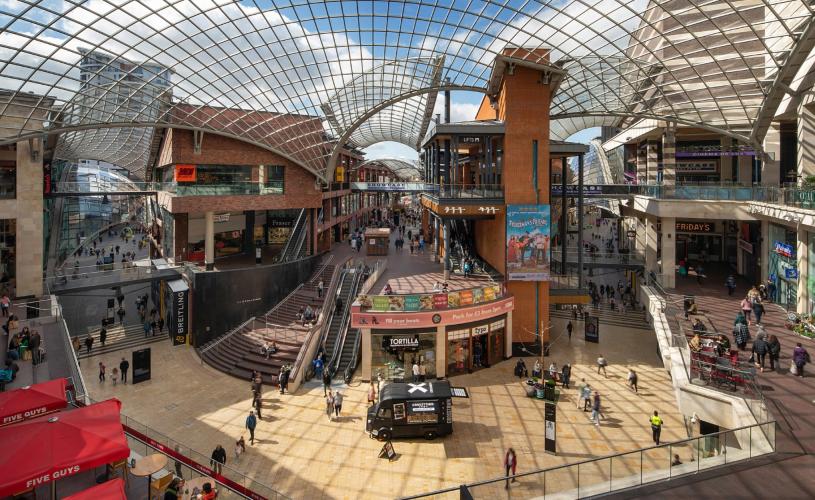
[(221, 217), (631, 234), (697, 166), (746, 246), (784, 249), (387, 451), (713, 150), (469, 139), (497, 325), (791, 273), (185, 173), (527, 242), (421, 319), (404, 342), (429, 302), (695, 227), (481, 330), (393, 186)]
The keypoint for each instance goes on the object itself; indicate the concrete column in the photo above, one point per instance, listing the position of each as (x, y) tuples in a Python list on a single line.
[(802, 253), (668, 252), (771, 169), (29, 210), (745, 165), (651, 246), (669, 156), (642, 165), (652, 159), (806, 141), (209, 241), (580, 220), (765, 250), (441, 352)]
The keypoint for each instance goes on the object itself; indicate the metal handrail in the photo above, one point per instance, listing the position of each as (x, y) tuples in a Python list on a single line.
[(346, 319), (664, 446), (223, 337), (352, 365), (294, 234)]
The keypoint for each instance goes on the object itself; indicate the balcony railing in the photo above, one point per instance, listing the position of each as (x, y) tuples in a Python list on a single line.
[(464, 191), (221, 189)]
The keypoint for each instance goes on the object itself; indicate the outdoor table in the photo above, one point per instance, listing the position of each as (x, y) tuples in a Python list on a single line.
[(192, 484), (149, 465)]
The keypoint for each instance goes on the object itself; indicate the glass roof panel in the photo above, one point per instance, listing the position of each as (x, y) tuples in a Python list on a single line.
[(303, 78)]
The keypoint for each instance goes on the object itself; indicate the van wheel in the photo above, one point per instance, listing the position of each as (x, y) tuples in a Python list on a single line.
[(430, 435), (384, 435)]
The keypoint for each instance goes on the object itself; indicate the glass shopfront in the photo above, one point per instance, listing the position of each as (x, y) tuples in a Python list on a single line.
[(783, 265), (475, 345), (393, 354)]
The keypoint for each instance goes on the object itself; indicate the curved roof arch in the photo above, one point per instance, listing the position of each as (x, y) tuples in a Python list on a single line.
[(267, 71), (400, 167)]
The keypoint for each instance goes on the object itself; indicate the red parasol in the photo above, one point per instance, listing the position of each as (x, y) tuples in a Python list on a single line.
[(32, 401), (48, 448), (110, 490)]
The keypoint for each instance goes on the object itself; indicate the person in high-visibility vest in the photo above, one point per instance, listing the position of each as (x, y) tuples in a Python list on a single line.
[(656, 426)]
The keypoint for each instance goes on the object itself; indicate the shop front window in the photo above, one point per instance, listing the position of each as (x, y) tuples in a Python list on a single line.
[(393, 355), (783, 266), (8, 247), (458, 351)]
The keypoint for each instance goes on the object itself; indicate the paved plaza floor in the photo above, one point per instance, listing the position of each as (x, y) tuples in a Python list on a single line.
[(302, 454)]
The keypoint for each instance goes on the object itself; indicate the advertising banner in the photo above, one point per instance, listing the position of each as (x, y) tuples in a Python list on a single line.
[(528, 242), (430, 302), (411, 303), (398, 320), (440, 301), (592, 331), (380, 303), (185, 173)]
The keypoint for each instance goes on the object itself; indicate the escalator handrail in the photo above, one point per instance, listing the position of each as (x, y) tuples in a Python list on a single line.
[(352, 364), (294, 234), (346, 319)]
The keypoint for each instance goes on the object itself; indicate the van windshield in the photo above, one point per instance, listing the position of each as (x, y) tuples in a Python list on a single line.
[(384, 413)]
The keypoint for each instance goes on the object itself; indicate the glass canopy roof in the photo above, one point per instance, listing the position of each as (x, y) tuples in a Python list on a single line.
[(304, 78)]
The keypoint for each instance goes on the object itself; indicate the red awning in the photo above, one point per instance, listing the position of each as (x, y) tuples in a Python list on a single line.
[(49, 448), (110, 490), (32, 401)]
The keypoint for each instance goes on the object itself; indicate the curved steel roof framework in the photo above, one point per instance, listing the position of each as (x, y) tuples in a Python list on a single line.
[(407, 170), (292, 75)]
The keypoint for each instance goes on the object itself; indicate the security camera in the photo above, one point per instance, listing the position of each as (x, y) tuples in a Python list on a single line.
[(694, 418)]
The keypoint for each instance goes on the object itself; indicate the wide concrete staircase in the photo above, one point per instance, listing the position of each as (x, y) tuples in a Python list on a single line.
[(238, 353), (119, 338), (628, 319)]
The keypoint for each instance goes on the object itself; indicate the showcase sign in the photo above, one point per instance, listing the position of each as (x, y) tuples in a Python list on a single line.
[(528, 242), (430, 301), (185, 173), (784, 249), (404, 342), (422, 319)]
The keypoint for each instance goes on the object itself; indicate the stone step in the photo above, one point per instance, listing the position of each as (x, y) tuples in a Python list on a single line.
[(119, 338)]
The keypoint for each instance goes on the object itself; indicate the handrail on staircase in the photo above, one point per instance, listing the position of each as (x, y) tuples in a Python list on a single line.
[(223, 337), (346, 318)]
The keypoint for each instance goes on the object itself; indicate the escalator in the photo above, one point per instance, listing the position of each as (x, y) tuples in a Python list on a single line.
[(346, 343), (295, 246), (338, 321)]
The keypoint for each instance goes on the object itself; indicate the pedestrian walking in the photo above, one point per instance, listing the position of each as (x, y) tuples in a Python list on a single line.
[(34, 345), (240, 447), (800, 357), (103, 335), (656, 427), (329, 404), (569, 328), (746, 308), (775, 352), (124, 365), (602, 363), (758, 310), (520, 369), (584, 395), (326, 382), (218, 459), (595, 410), (251, 424), (101, 372), (760, 350), (730, 284), (415, 370), (5, 303), (320, 286), (566, 375), (178, 468), (632, 380), (89, 343), (114, 375), (371, 395), (510, 465), (338, 404), (257, 402)]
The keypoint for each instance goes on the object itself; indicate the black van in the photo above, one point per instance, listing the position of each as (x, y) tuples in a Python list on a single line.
[(412, 410)]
